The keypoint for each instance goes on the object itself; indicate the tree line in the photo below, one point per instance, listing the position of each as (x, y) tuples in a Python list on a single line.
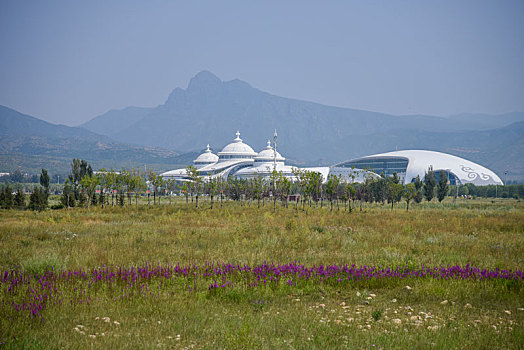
[(85, 187)]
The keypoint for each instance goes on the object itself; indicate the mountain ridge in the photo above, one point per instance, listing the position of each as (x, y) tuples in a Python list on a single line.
[(210, 110), (32, 143)]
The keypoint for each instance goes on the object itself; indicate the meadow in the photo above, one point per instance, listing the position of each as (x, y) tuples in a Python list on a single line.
[(173, 276)]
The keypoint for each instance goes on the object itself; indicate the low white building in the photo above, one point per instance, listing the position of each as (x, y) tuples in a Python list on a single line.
[(409, 164)]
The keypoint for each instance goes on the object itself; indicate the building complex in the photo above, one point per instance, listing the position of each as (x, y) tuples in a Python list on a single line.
[(239, 160)]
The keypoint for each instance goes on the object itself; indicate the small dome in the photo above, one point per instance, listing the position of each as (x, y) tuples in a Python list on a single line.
[(237, 149), (268, 155), (207, 157)]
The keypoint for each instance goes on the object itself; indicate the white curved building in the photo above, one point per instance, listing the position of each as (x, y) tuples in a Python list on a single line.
[(409, 164)]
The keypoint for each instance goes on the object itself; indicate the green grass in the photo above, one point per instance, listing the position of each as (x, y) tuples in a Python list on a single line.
[(356, 315)]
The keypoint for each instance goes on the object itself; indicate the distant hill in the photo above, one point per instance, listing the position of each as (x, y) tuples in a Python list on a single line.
[(211, 110), (31, 144)]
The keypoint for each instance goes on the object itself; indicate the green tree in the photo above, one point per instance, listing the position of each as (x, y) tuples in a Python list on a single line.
[(19, 198), (185, 188), (38, 199), (443, 187), (349, 195), (6, 197), (213, 188), (89, 185), (393, 189), (68, 195), (418, 189), (285, 186), (300, 178), (79, 168), (315, 180), (196, 181), (409, 193), (44, 181), (429, 184), (332, 184), (258, 188), (139, 184)]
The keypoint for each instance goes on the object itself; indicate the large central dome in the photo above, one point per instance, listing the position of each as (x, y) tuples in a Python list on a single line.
[(237, 150)]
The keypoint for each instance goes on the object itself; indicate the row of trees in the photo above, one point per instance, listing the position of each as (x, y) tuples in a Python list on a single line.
[(38, 200), (84, 187), (308, 188)]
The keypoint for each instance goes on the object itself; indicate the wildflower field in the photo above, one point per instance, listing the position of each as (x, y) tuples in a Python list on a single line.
[(440, 276)]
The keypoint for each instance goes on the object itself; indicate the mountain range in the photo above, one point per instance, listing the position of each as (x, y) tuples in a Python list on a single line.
[(210, 111), (30, 144)]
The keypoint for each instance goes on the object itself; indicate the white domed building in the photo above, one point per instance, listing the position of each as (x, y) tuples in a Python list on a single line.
[(240, 161), (206, 158), (234, 156)]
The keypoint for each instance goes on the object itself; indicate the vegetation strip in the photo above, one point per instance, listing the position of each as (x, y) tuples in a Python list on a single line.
[(30, 295)]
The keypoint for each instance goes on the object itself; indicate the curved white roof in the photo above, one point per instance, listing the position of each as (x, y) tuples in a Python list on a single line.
[(237, 149), (175, 173), (419, 161), (207, 157), (268, 155)]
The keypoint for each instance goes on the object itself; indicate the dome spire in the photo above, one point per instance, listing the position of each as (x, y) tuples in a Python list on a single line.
[(238, 139), (269, 145), (207, 149)]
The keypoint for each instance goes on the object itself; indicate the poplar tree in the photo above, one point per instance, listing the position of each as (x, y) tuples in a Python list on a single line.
[(443, 187), (429, 184)]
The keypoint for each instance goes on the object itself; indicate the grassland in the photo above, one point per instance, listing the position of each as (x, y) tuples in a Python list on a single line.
[(184, 313)]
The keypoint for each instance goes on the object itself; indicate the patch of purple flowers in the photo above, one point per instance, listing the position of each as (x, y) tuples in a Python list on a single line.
[(28, 296)]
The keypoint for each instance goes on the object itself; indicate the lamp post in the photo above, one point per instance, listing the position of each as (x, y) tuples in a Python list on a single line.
[(275, 172), (275, 162), (275, 151)]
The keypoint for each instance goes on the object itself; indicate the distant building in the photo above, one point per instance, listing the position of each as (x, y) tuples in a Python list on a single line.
[(409, 164), (239, 160)]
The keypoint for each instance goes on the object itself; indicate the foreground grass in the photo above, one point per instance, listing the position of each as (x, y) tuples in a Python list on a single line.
[(482, 314)]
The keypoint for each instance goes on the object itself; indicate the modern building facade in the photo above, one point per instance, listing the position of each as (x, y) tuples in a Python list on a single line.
[(409, 164), (239, 160)]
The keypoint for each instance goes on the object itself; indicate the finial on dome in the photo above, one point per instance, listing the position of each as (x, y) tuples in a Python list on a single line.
[(238, 139), (269, 145), (207, 149)]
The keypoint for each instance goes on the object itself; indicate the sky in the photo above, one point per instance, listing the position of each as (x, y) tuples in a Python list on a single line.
[(69, 61)]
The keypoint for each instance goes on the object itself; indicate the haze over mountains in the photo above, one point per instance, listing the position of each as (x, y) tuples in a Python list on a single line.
[(211, 111), (31, 144)]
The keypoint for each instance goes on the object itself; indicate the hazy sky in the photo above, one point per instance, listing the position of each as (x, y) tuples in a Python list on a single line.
[(68, 61)]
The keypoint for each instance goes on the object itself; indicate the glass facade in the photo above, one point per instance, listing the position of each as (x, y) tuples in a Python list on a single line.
[(386, 166), (452, 179)]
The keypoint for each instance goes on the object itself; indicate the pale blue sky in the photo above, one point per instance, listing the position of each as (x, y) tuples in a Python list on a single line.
[(68, 61)]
